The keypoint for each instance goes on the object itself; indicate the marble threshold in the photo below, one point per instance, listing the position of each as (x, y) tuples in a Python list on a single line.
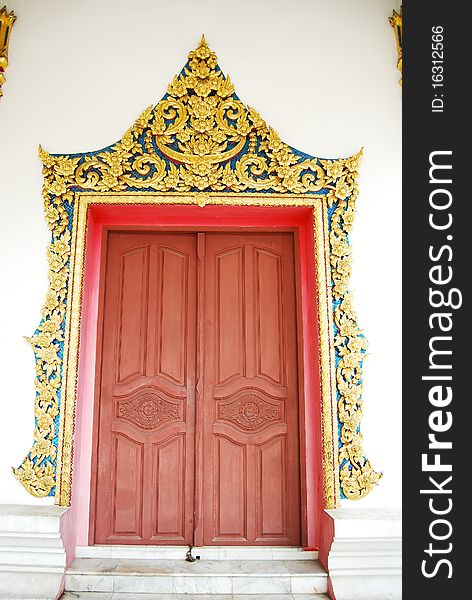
[(228, 577), (204, 552), (134, 596)]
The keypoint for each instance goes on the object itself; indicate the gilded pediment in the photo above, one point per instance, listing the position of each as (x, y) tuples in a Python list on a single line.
[(201, 137)]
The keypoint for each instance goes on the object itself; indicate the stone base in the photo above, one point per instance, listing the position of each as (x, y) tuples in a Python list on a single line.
[(32, 553), (361, 551), (234, 578)]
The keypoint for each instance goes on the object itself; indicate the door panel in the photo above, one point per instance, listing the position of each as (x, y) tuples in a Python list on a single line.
[(250, 406), (271, 491), (269, 308), (230, 480), (147, 394), (229, 314), (128, 461), (172, 310), (168, 482), (131, 312)]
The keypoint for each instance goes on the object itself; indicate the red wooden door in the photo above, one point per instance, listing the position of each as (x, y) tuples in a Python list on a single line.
[(250, 408), (145, 472), (244, 425)]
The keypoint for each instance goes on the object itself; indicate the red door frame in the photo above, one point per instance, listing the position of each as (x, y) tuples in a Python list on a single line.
[(102, 217)]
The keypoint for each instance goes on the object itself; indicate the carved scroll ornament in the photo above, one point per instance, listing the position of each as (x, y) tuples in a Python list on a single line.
[(396, 21), (200, 140), (7, 20)]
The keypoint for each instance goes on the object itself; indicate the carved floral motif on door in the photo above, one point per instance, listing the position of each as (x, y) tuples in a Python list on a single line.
[(148, 411), (249, 412)]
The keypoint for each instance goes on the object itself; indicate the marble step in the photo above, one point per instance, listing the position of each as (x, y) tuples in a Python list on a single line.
[(230, 577), (205, 552), (133, 596)]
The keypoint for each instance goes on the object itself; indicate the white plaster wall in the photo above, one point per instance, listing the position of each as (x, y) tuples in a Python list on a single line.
[(321, 73)]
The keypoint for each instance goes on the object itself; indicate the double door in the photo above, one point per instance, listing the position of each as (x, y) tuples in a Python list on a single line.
[(197, 407)]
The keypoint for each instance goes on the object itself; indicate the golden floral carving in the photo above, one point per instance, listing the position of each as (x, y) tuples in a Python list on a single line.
[(188, 142), (357, 476), (198, 145), (37, 472), (396, 21), (7, 20)]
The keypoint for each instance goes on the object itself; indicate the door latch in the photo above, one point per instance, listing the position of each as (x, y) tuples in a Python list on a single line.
[(188, 556)]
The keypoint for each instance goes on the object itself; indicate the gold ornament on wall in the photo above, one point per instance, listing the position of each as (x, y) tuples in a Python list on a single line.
[(396, 22), (6, 23), (199, 145)]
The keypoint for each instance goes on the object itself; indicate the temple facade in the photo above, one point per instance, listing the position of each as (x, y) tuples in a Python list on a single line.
[(204, 414)]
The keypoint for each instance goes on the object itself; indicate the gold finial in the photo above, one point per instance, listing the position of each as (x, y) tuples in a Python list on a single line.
[(396, 22), (6, 23), (203, 52)]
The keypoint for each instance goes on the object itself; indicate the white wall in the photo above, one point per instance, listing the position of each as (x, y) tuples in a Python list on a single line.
[(321, 73)]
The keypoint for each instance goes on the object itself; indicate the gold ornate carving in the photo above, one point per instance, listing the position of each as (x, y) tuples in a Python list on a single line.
[(396, 22), (199, 145), (6, 23), (329, 420), (190, 141), (37, 472), (357, 476)]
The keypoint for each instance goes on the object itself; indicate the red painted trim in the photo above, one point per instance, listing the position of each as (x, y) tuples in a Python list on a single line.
[(330, 589), (104, 217), (326, 541), (311, 382)]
